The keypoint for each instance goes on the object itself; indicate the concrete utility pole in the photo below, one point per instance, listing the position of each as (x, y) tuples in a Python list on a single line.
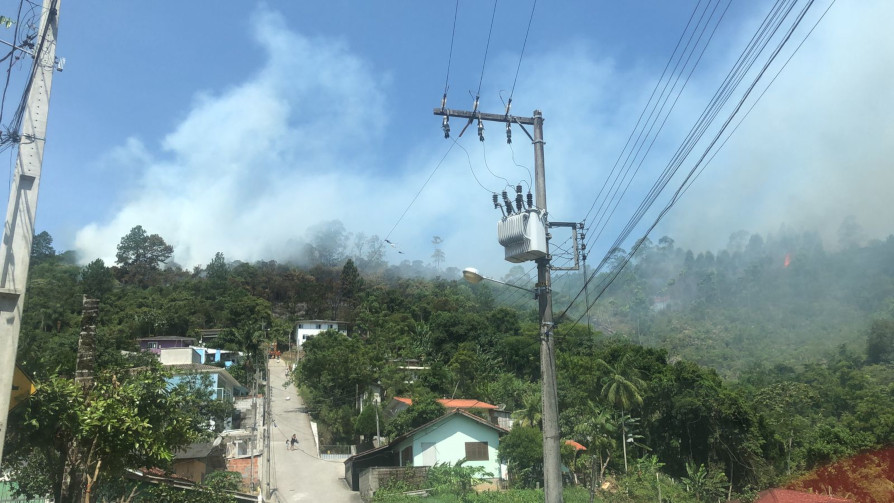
[(18, 231), (552, 468), (268, 420)]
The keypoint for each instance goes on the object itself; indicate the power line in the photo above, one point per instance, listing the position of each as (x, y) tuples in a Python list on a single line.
[(418, 192), (450, 56), (699, 163), (486, 48), (522, 55), (787, 61)]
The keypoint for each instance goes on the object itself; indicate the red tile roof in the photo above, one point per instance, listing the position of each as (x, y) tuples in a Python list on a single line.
[(454, 403), (462, 403), (576, 445), (789, 496)]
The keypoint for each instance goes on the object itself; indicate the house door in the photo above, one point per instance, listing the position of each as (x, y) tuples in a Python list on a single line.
[(429, 454)]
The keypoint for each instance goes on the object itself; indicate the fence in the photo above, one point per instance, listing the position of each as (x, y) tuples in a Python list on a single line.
[(337, 452)]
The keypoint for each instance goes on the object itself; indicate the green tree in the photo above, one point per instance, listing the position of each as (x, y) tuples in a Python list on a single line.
[(880, 342), (622, 389), (438, 255), (522, 449), (705, 485), (42, 247), (126, 420), (595, 427), (96, 279), (425, 408), (217, 271), (140, 256), (531, 412)]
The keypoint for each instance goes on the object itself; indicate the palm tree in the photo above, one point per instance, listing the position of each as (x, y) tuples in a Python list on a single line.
[(595, 425), (622, 389), (531, 412)]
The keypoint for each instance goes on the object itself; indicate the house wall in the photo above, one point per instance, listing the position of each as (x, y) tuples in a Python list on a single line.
[(247, 467), (307, 329), (449, 438), (177, 356), (193, 469)]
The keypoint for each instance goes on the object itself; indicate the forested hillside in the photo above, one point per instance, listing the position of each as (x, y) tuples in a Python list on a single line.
[(714, 373), (780, 299)]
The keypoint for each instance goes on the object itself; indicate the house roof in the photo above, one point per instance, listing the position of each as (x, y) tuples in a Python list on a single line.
[(323, 321), (196, 451), (577, 446), (410, 433), (789, 496), (453, 403)]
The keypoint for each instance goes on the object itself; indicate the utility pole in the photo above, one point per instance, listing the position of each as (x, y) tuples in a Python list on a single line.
[(18, 230), (552, 470), (268, 420)]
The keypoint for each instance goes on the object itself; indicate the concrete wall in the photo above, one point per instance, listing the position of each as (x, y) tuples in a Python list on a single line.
[(371, 479), (179, 356)]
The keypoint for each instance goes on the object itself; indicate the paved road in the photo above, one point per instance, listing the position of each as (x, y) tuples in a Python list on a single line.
[(300, 475)]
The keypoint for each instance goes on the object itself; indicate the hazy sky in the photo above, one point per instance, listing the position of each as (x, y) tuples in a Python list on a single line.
[(235, 126)]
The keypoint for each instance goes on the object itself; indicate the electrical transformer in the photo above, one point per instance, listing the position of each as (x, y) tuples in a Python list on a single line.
[(523, 235)]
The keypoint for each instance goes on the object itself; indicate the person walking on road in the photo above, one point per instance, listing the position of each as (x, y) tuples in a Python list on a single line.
[(294, 442)]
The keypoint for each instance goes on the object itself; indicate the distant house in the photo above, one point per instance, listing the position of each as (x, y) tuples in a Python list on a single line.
[(660, 303), (222, 385), (494, 413), (207, 335), (307, 329), (179, 356), (196, 355), (452, 437), (197, 460), (157, 343)]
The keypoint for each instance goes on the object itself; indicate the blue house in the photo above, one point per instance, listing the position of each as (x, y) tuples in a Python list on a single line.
[(221, 384), (455, 436)]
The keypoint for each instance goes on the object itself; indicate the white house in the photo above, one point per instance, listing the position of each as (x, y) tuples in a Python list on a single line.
[(307, 329), (450, 438)]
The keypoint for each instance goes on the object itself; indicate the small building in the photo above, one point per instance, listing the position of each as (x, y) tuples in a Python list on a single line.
[(222, 385), (307, 329), (196, 355), (179, 356), (156, 344), (207, 335), (197, 460), (454, 436)]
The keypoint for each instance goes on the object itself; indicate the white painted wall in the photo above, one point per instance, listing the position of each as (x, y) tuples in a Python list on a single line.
[(307, 329), (449, 439), (179, 356)]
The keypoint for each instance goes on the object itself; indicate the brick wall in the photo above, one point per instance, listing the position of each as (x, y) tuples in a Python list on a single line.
[(248, 467)]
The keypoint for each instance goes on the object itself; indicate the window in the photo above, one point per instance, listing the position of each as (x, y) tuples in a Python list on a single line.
[(153, 345), (406, 456), (319, 326), (476, 451)]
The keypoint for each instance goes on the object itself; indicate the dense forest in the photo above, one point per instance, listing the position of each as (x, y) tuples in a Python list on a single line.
[(712, 373)]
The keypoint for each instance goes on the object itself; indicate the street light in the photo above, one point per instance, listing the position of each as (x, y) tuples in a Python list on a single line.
[(472, 275)]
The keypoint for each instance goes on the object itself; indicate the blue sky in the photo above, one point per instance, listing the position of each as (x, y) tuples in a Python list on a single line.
[(237, 126)]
